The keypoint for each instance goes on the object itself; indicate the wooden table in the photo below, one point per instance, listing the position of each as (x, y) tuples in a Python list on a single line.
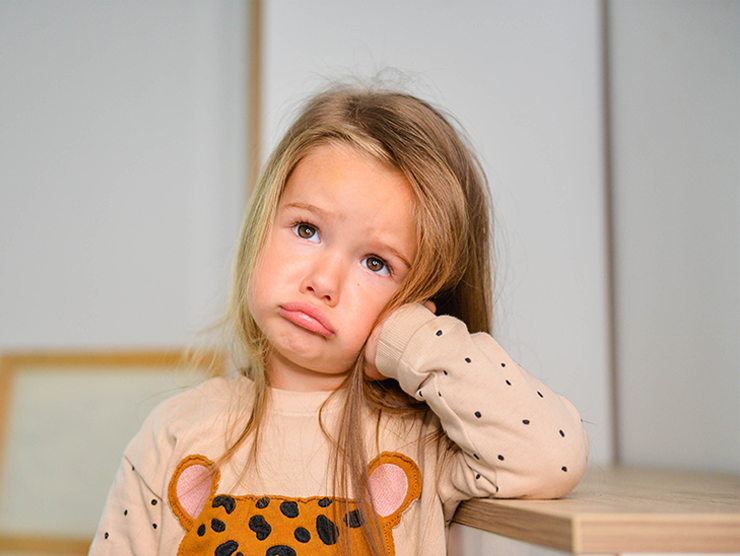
[(617, 510)]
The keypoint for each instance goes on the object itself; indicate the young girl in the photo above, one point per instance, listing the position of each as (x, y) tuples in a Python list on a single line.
[(372, 399)]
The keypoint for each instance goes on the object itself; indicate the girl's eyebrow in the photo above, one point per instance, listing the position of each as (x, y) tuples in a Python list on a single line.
[(329, 216), (311, 208)]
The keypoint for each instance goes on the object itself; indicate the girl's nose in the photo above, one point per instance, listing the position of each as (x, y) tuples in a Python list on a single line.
[(324, 278)]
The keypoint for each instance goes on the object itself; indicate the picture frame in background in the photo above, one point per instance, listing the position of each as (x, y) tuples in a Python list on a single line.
[(65, 420)]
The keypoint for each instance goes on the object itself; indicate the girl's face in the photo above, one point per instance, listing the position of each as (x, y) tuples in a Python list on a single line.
[(341, 244)]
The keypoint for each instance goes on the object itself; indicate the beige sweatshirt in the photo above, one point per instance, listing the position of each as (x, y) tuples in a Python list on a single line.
[(516, 437)]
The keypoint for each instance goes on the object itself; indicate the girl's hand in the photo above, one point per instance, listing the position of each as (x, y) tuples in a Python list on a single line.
[(371, 347)]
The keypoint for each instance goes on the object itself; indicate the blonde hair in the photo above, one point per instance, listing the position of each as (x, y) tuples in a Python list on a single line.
[(452, 266)]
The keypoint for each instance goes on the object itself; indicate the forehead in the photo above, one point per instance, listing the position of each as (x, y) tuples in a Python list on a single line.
[(349, 183)]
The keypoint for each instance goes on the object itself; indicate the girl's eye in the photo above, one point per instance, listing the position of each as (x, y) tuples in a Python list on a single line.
[(377, 266), (306, 231)]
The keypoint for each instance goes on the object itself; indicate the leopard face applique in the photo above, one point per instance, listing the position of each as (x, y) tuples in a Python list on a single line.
[(226, 525)]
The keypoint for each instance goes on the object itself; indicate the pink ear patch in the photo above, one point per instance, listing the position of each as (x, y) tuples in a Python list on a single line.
[(388, 488), (193, 489)]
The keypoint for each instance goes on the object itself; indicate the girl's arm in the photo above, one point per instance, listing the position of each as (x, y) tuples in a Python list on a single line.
[(517, 437)]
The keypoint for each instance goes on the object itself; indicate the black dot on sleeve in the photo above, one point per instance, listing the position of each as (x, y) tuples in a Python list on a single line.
[(154, 525), (445, 372), (440, 394), (496, 489), (467, 359), (477, 475), (125, 512), (106, 535), (565, 469), (439, 332), (503, 364), (477, 414), (500, 457), (420, 394), (562, 434), (526, 421), (540, 394), (476, 456), (509, 383), (154, 502)]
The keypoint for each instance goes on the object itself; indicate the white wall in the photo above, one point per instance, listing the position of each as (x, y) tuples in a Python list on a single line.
[(524, 78), (123, 164), (676, 159), (122, 168)]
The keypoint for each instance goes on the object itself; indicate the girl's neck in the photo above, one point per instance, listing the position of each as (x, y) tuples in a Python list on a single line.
[(284, 375), (298, 402)]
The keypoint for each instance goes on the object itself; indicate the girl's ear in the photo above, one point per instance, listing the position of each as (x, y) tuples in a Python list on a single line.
[(194, 481), (395, 482)]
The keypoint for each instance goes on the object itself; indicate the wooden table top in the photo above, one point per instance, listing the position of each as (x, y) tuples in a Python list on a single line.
[(617, 510)]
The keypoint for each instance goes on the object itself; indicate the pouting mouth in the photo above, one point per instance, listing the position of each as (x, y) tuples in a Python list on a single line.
[(309, 317)]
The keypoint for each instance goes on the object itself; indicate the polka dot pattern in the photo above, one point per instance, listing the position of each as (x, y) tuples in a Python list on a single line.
[(479, 414)]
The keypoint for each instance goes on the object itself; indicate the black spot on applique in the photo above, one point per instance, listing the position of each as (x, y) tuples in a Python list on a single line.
[(439, 332), (327, 530), (227, 502), (467, 359), (509, 383), (496, 489), (324, 502), (445, 372), (218, 526), (289, 509), (262, 503), (477, 475), (280, 550), (526, 421), (226, 549), (202, 530), (133, 468), (503, 364), (540, 394), (562, 434), (477, 414), (565, 469), (125, 512), (261, 528), (420, 394), (154, 525), (440, 394), (476, 456), (500, 457), (106, 535), (302, 535), (154, 502), (352, 519)]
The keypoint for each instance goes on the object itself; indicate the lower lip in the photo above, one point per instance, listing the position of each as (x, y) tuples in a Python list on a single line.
[(303, 320)]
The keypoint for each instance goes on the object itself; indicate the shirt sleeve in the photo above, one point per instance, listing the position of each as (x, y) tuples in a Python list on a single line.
[(132, 515), (517, 438)]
